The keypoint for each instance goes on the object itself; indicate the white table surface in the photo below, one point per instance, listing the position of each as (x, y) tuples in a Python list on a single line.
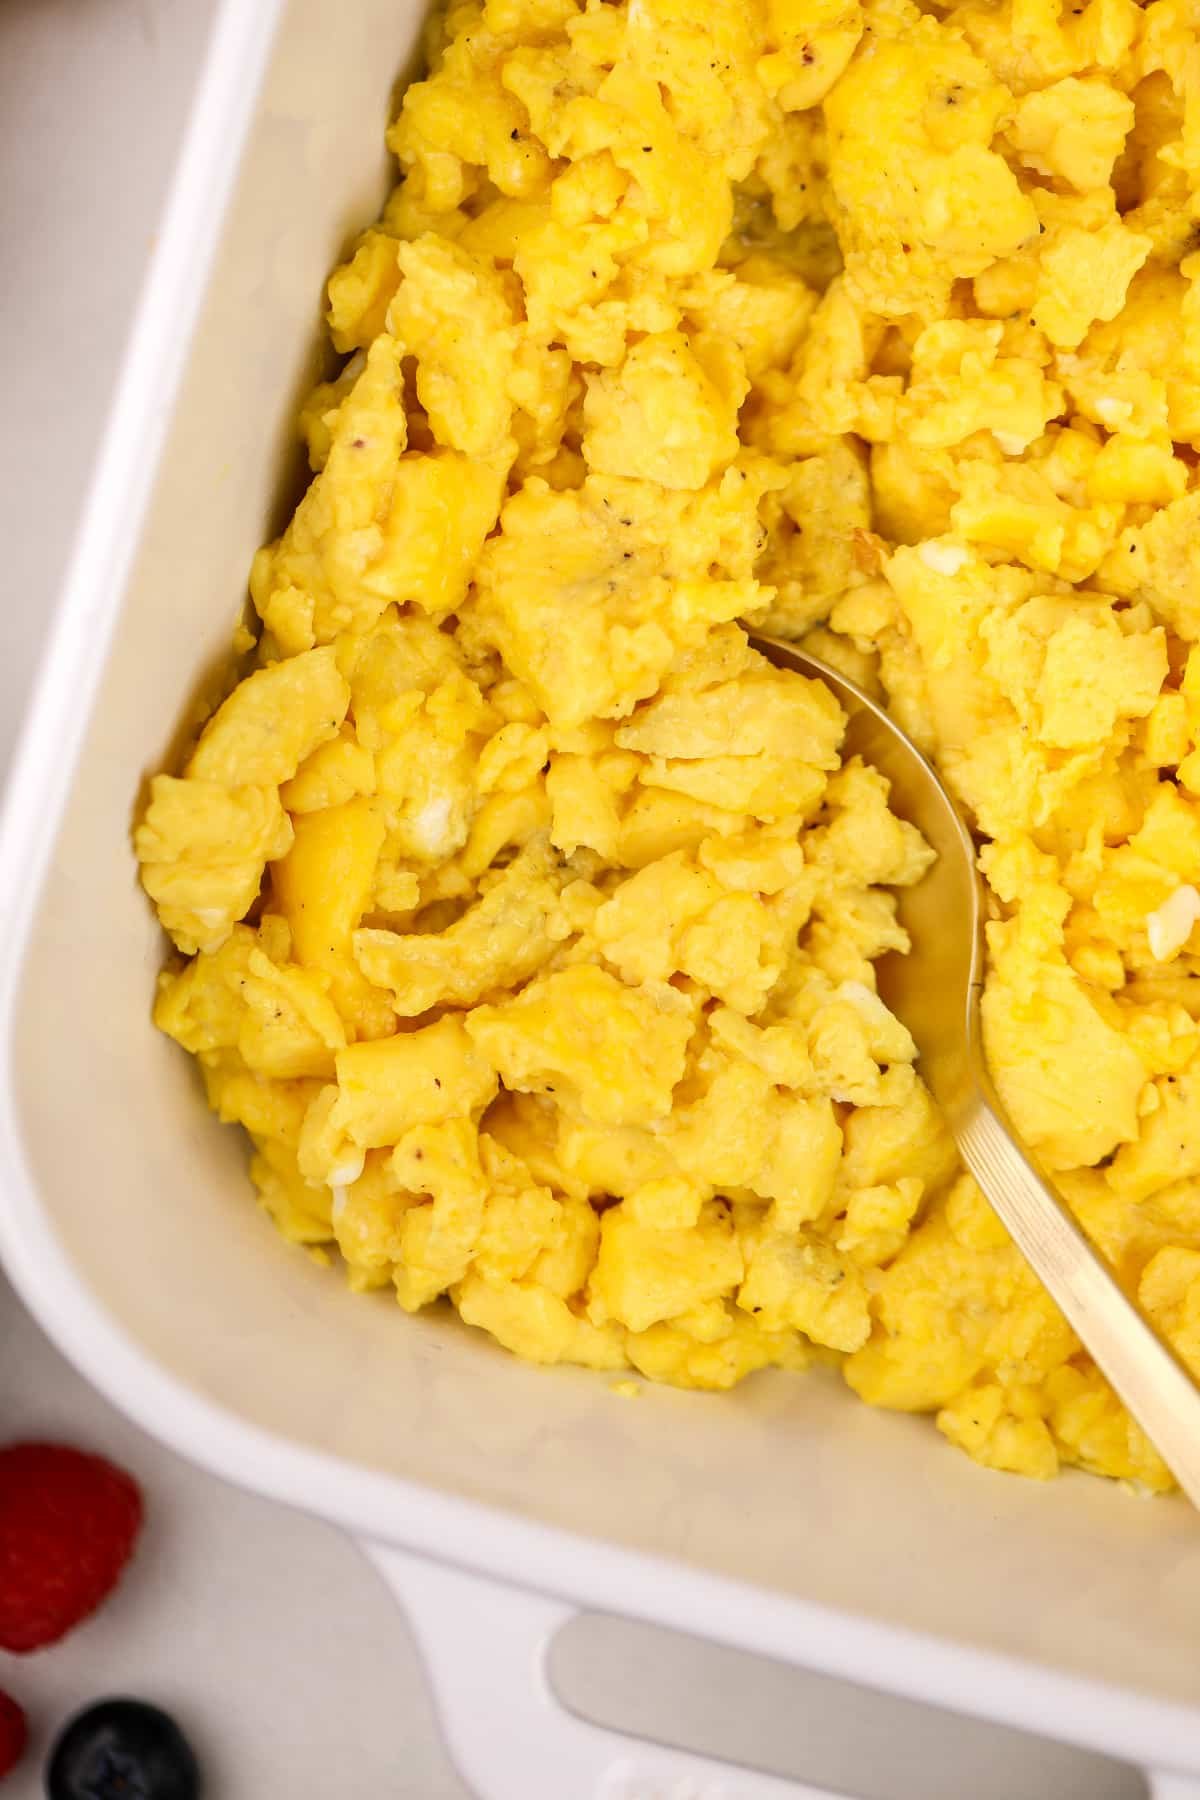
[(267, 1633)]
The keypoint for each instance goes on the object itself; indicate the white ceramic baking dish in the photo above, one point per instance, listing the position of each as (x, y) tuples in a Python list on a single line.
[(783, 1518)]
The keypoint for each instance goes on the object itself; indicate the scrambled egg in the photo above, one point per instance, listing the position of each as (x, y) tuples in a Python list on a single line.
[(527, 918)]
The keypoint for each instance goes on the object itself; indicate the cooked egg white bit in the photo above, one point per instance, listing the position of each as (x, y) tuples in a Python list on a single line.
[(337, 1210), (346, 1172), (1010, 443), (1113, 412), (863, 1000), (943, 558), (431, 826), (1169, 926)]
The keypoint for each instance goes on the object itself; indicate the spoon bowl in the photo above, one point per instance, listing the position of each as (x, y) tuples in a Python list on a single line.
[(936, 991)]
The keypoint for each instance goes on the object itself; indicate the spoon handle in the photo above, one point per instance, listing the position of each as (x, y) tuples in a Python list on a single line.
[(1141, 1367)]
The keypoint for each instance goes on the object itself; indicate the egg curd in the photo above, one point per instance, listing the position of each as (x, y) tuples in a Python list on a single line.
[(527, 918)]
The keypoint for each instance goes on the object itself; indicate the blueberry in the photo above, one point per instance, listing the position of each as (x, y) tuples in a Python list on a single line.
[(122, 1750)]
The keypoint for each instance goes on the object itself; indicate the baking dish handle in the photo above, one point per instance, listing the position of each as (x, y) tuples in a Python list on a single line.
[(485, 1648)]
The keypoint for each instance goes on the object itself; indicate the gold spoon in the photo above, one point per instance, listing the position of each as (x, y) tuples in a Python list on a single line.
[(936, 992)]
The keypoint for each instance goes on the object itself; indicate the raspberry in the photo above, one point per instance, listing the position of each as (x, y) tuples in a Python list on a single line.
[(12, 1734), (68, 1525)]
